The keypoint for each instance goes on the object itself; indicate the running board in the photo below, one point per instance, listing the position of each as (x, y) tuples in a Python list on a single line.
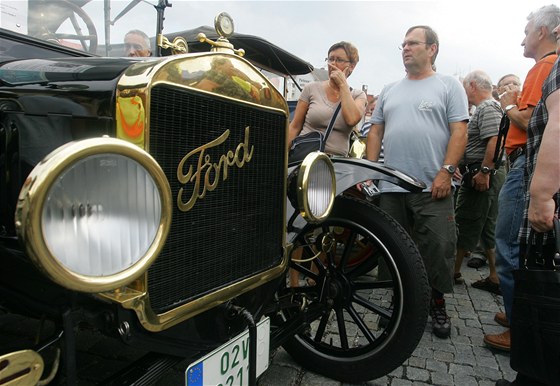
[(144, 372)]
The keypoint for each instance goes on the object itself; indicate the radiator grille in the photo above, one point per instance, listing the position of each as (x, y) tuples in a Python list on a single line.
[(235, 231)]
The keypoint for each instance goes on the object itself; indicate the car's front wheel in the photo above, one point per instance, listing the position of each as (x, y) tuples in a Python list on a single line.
[(363, 291)]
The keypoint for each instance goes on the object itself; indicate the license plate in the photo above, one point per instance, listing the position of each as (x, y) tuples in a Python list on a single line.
[(228, 365)]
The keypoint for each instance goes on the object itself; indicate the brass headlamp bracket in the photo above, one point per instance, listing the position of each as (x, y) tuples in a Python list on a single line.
[(220, 45), (178, 46)]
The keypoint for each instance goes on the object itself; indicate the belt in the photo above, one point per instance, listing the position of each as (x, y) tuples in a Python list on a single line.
[(515, 154)]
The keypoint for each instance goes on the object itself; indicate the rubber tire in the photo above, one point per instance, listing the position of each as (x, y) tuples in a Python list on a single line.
[(407, 330)]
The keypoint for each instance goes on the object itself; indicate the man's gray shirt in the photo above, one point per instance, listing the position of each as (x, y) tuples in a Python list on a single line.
[(416, 115), (483, 125)]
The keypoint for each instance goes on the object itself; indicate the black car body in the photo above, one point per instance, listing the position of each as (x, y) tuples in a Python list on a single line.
[(151, 200), (145, 198)]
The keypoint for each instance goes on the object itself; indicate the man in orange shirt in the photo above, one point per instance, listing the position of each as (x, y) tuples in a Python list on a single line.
[(539, 44)]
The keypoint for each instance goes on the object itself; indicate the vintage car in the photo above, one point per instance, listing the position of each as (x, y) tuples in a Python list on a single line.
[(151, 200)]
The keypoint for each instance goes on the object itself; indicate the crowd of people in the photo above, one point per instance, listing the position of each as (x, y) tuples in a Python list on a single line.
[(457, 131)]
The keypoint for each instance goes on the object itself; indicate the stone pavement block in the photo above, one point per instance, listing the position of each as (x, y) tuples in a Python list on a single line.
[(442, 379), (465, 380), (465, 309), (463, 349), (282, 358), (458, 323), (473, 323), (462, 340), (459, 370), (312, 379), (417, 362), (444, 345), (424, 352), (503, 362), (487, 361), (416, 374), (465, 358), (383, 381), (398, 372), (436, 366), (483, 351), (473, 332), (487, 318), (487, 372), (400, 382), (444, 356), (280, 376)]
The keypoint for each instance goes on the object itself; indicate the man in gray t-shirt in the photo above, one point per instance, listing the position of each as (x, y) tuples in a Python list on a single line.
[(422, 121)]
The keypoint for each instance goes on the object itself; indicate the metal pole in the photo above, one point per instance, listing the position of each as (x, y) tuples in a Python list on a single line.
[(252, 346), (107, 17), (160, 8)]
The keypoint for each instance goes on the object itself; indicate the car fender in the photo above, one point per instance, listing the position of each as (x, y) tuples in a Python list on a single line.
[(350, 171)]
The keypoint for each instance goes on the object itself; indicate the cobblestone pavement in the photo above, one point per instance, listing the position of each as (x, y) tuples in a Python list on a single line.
[(461, 360)]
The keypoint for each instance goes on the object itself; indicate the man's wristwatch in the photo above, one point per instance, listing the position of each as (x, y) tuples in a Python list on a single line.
[(485, 170), (509, 107), (450, 168)]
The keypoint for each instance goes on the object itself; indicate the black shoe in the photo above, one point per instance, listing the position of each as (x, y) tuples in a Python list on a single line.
[(476, 262), (441, 325), (487, 285)]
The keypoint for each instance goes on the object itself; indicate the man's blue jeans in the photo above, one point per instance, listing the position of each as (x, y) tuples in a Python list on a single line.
[(511, 204)]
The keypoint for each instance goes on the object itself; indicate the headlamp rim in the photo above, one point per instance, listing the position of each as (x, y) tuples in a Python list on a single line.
[(303, 183), (36, 188)]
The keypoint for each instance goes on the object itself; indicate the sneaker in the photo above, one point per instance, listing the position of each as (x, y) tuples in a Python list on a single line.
[(441, 325)]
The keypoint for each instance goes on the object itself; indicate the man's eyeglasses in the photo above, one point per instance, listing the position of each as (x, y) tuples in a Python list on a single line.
[(336, 60), (410, 43)]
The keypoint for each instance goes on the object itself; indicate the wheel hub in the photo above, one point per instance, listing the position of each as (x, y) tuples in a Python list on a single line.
[(339, 290)]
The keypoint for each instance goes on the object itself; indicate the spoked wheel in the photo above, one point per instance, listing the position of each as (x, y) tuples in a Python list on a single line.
[(66, 23), (363, 291)]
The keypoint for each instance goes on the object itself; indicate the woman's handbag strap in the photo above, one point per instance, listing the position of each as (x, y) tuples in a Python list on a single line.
[(331, 125)]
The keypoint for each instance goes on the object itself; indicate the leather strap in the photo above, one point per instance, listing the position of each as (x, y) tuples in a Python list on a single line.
[(501, 142), (330, 126)]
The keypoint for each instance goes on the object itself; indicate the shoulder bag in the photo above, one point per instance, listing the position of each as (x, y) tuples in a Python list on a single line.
[(302, 145), (535, 321)]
